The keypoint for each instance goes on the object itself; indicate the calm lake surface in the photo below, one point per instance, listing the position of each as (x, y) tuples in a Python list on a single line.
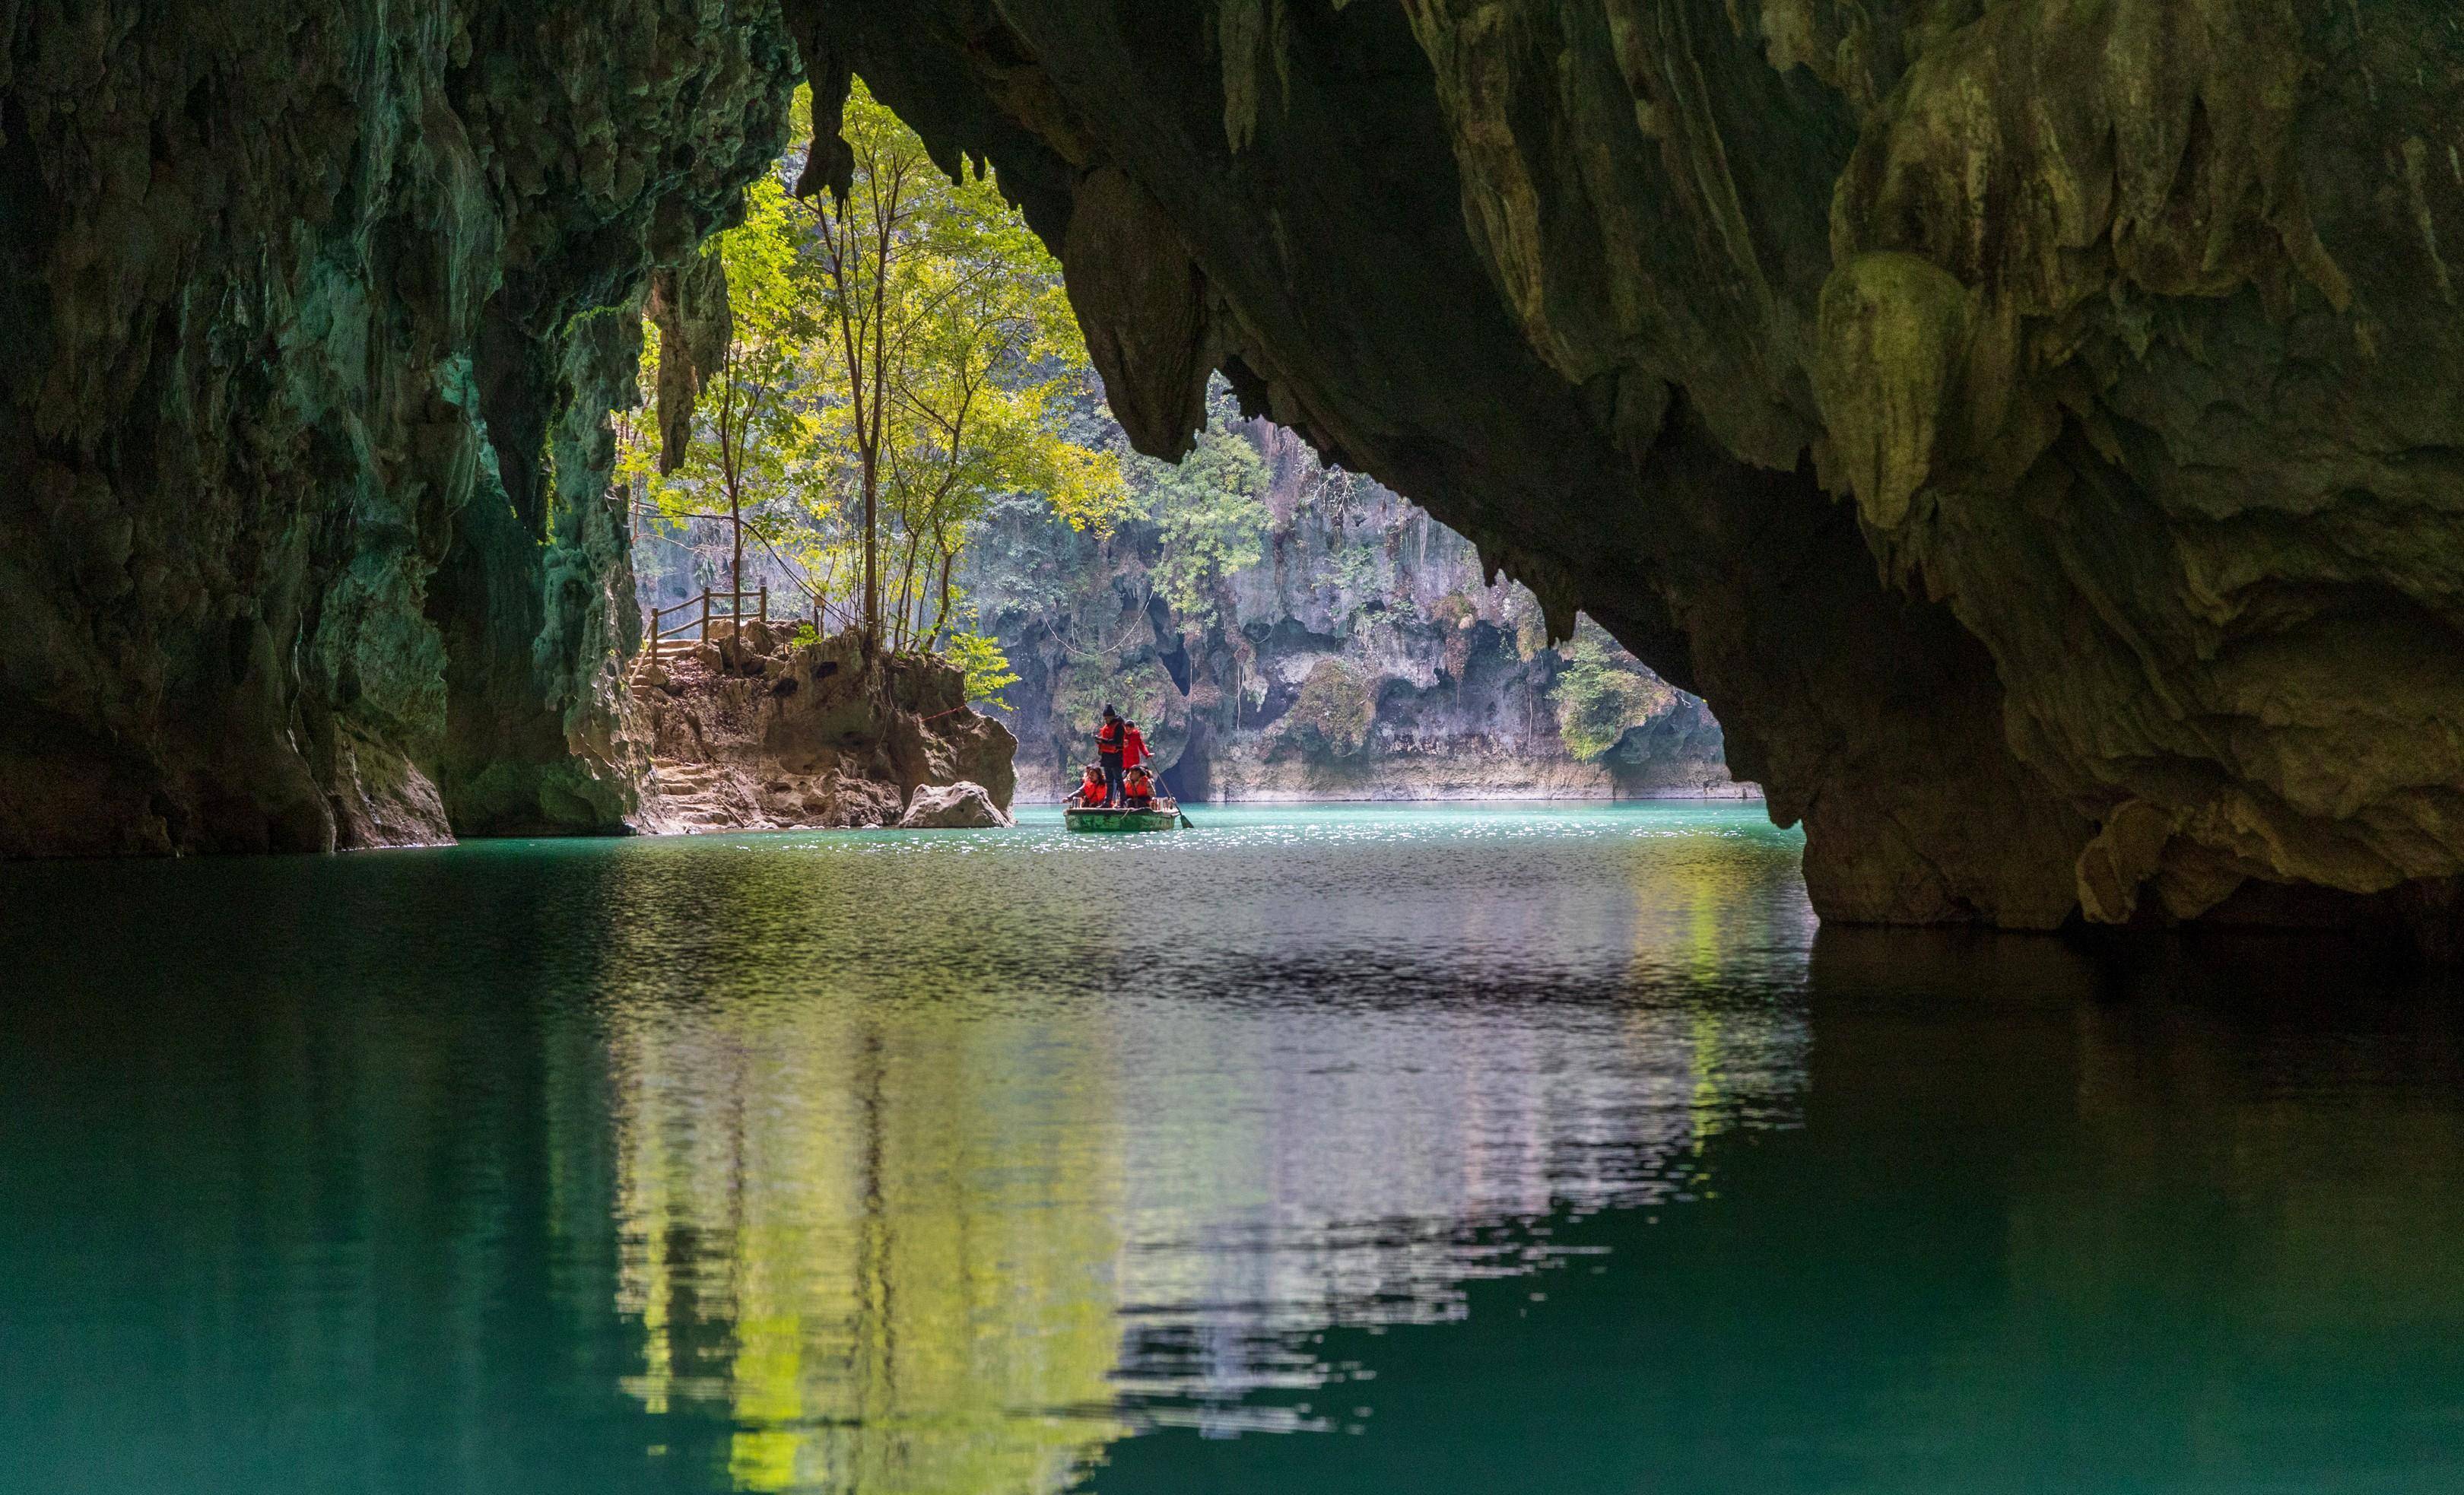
[(1508, 1149)]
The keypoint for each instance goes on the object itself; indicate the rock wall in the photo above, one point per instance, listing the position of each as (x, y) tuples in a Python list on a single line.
[(1457, 694), (765, 734), (303, 541), (2031, 426)]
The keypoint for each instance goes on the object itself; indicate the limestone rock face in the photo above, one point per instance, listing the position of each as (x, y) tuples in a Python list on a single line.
[(2029, 424), (303, 531), (760, 734), (957, 807)]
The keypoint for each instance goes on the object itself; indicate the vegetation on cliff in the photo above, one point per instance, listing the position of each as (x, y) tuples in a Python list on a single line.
[(1603, 693)]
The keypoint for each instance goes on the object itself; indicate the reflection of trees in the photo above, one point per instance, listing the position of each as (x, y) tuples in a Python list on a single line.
[(900, 1226), (912, 1245)]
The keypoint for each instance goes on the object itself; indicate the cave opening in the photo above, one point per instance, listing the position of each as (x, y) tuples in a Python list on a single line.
[(1278, 626)]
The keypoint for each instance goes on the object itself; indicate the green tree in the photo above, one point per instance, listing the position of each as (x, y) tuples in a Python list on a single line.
[(979, 657), (893, 360), (952, 350), (753, 416)]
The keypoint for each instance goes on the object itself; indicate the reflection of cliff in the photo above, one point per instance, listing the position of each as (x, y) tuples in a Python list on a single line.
[(1285, 630), (1287, 1195)]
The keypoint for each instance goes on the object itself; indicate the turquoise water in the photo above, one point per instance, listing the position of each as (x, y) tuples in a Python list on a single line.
[(1514, 1148)]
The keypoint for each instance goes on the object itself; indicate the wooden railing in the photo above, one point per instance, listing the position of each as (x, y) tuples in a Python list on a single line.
[(696, 614)]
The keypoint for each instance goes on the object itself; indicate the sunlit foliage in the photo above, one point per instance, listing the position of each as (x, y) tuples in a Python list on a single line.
[(1210, 522), (898, 362)]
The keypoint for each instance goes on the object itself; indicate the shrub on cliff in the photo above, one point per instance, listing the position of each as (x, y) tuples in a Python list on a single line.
[(1603, 694), (1334, 709), (1209, 522), (979, 658)]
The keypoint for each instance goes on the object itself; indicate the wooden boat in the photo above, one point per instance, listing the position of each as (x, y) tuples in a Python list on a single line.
[(1164, 816)]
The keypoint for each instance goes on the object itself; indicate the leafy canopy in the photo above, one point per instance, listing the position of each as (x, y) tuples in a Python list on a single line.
[(894, 366), (1210, 523)]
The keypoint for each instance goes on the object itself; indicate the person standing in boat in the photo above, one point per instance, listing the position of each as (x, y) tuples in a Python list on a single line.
[(1109, 743), (1133, 746)]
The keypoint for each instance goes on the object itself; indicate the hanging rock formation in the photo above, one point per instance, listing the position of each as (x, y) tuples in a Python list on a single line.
[(303, 531), (2033, 425)]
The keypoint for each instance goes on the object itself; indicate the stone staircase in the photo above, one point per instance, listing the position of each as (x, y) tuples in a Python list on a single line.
[(661, 653)]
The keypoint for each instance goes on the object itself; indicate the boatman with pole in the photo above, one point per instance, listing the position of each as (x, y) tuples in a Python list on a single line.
[(1109, 742)]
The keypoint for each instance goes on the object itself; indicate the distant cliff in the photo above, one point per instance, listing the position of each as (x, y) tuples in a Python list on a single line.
[(1282, 630)]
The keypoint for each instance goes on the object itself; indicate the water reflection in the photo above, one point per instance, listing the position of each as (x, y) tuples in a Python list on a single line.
[(868, 1241), (935, 1237), (1548, 1152)]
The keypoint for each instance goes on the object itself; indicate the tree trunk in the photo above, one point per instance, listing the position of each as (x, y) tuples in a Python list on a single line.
[(735, 557), (941, 620), (871, 576), (907, 595)]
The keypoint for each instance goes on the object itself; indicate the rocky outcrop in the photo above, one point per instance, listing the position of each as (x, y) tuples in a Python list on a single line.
[(957, 807), (2031, 424), (304, 532), (763, 733)]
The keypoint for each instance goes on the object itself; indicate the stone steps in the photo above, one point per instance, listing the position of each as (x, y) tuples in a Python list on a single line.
[(659, 652)]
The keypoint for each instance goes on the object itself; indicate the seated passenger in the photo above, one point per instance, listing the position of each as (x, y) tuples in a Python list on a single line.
[(1138, 792), (1091, 788)]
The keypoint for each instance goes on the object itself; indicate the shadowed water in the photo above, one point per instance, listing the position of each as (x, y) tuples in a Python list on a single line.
[(1318, 1148)]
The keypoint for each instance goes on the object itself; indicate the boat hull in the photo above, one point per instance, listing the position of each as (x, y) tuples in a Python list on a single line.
[(1120, 822)]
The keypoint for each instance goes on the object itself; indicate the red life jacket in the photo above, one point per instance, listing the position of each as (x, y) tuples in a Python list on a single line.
[(1138, 791), (1091, 791), (1107, 738)]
